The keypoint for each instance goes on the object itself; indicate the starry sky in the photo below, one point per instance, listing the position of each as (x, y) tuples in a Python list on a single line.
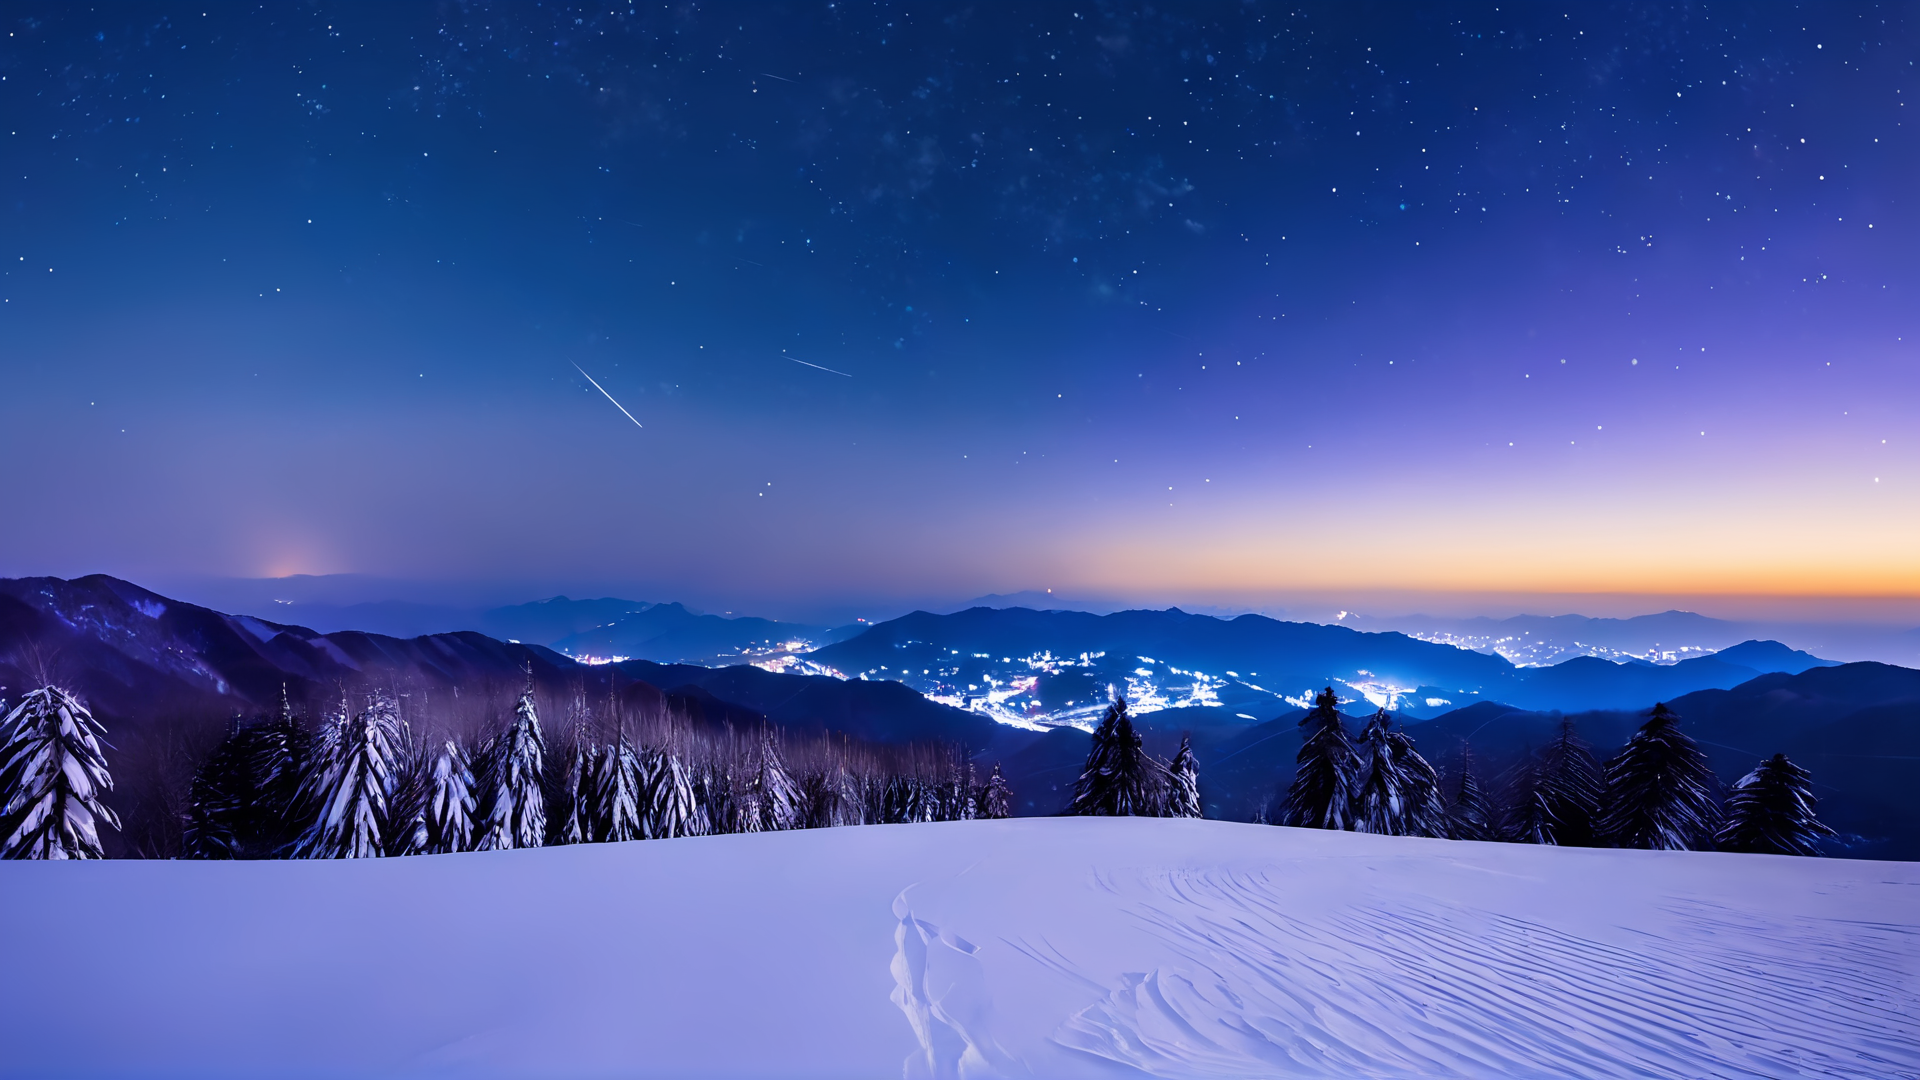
[(1195, 301)]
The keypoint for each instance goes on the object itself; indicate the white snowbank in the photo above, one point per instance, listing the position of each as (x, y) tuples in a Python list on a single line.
[(1042, 947)]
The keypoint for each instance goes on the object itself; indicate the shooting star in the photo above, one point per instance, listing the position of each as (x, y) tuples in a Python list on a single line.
[(797, 360), (609, 397), (771, 75)]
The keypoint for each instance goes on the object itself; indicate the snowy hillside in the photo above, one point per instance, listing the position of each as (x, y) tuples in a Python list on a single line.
[(1039, 947)]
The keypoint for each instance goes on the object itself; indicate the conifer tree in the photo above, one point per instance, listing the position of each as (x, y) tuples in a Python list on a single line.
[(743, 806), (244, 800), (219, 800), (998, 800), (1321, 795), (670, 806), (849, 796), (516, 811), (908, 799), (1183, 782), (282, 756), (450, 801), (1119, 779), (52, 777), (779, 796), (710, 798), (1659, 791), (819, 800), (1770, 811), (1380, 796), (618, 792), (956, 800), (352, 784), (1469, 818), (581, 824), (1426, 810), (1558, 793), (412, 787)]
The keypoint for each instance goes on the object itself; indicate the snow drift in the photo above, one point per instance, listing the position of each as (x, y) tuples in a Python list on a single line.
[(1029, 947)]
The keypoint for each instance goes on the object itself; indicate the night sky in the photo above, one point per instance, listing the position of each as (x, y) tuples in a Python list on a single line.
[(1199, 301)]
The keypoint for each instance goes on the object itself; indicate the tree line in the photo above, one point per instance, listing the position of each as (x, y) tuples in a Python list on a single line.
[(1657, 792), (364, 784)]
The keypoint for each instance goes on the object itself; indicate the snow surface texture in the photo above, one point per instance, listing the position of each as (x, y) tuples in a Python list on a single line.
[(1030, 947)]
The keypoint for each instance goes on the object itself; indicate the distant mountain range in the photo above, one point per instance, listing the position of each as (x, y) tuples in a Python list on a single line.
[(1663, 637), (600, 628), (1051, 667)]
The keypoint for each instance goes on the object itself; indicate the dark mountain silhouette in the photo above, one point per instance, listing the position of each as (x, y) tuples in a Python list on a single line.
[(669, 633), (547, 622), (1769, 656), (137, 656)]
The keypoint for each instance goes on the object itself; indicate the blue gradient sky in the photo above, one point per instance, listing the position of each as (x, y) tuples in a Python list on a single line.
[(1209, 301)]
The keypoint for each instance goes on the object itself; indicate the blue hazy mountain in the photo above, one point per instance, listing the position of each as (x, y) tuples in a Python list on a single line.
[(602, 627), (1053, 666), (670, 633)]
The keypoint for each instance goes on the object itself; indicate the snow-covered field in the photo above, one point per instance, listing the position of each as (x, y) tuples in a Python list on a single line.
[(1036, 947)]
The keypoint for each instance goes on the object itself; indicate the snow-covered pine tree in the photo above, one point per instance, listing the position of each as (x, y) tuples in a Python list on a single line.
[(1426, 810), (1380, 796), (849, 798), (1087, 788), (744, 812), (711, 796), (52, 777), (779, 796), (1470, 817), (618, 792), (218, 801), (1659, 793), (1119, 779), (580, 794), (1770, 811), (352, 783), (407, 810), (1559, 794), (1183, 782), (450, 801), (901, 803), (516, 810), (1321, 795), (819, 799), (968, 807), (669, 806), (998, 801)]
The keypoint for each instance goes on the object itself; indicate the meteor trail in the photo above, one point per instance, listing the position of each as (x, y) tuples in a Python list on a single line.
[(609, 397), (797, 360)]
